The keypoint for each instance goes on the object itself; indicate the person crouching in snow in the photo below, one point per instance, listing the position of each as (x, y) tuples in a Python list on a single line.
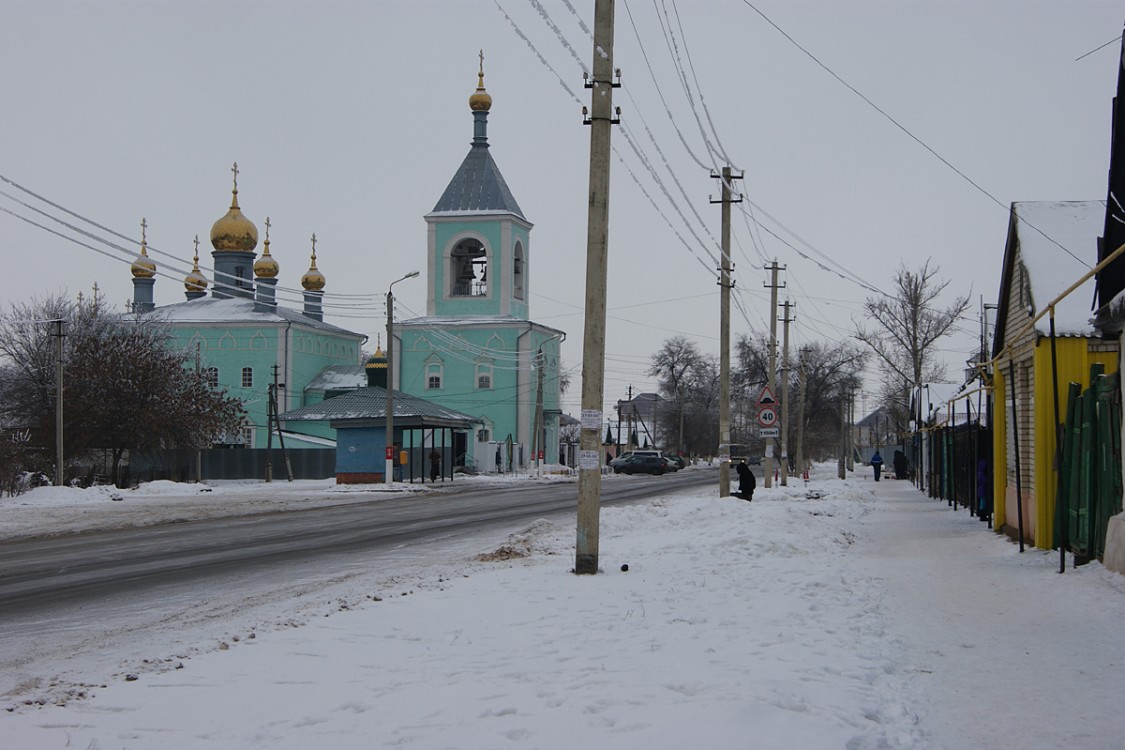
[(746, 482)]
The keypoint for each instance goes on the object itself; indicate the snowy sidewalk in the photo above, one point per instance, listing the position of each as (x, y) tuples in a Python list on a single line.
[(1003, 651), (845, 615)]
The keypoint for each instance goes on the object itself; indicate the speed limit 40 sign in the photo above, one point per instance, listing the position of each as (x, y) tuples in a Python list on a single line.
[(767, 416)]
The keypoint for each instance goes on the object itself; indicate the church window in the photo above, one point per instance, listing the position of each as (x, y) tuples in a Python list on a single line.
[(433, 375), (517, 272), (248, 437), (212, 375), (468, 271), (240, 276), (484, 376), (247, 377)]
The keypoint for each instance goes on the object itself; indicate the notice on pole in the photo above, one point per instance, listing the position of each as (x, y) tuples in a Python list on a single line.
[(591, 419), (589, 460)]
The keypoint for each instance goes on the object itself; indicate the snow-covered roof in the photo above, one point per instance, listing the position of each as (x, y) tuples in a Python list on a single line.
[(1041, 227), (211, 310), (335, 377), (370, 403), (470, 322)]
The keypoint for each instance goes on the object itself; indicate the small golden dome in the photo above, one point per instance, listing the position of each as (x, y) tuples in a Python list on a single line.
[(313, 280), (377, 361), (266, 267), (234, 232), (480, 100), (143, 267), (195, 281)]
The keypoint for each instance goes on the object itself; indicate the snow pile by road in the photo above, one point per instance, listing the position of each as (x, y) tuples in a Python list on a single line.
[(843, 614)]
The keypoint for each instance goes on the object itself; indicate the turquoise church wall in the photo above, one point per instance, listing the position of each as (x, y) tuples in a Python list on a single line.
[(299, 354)]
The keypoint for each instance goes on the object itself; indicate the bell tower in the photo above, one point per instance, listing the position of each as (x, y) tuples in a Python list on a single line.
[(478, 238)]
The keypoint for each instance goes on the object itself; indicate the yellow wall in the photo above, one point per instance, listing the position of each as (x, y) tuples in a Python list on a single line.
[(1074, 360)]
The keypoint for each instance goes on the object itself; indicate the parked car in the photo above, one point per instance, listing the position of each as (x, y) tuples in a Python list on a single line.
[(642, 463), (675, 463), (620, 460)]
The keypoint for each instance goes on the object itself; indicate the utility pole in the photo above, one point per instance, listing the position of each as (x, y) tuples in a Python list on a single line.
[(600, 121), (771, 375), (198, 368), (269, 429), (725, 285), (785, 397), (537, 439), (841, 470), (801, 411), (59, 473), (280, 437)]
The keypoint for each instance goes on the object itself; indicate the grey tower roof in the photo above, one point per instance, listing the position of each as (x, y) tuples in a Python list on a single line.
[(478, 186)]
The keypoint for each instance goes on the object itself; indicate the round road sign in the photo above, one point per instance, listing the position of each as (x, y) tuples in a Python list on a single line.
[(767, 416)]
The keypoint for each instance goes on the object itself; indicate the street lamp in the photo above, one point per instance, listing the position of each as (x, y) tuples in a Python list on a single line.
[(390, 441)]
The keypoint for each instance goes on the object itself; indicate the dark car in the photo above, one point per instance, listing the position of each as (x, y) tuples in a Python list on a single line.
[(675, 463), (642, 463)]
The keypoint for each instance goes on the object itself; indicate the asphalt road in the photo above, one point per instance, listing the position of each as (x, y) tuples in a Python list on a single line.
[(72, 569)]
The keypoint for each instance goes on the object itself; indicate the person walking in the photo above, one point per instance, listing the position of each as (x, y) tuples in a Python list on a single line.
[(435, 464), (877, 464), (746, 482)]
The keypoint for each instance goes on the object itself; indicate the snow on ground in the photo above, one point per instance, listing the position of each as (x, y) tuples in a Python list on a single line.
[(842, 614)]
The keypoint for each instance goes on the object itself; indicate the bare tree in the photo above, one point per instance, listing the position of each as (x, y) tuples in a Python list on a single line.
[(906, 324), (674, 366), (124, 389), (832, 372)]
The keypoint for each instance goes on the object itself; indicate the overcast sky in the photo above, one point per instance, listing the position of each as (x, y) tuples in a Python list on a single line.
[(348, 119)]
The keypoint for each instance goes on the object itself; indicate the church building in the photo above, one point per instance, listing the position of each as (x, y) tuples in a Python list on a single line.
[(246, 342), (476, 350)]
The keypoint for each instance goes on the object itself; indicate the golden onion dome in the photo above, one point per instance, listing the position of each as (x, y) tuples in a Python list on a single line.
[(195, 281), (234, 232), (266, 267), (143, 267), (313, 280), (480, 100), (377, 361)]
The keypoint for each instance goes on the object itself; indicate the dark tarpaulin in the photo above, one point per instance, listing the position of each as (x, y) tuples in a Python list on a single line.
[(1111, 279)]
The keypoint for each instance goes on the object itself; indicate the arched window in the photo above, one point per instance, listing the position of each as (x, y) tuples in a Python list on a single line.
[(434, 372), (484, 376), (517, 272), (468, 269), (212, 375), (247, 377)]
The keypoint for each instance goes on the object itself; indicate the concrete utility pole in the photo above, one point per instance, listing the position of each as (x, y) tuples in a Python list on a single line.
[(767, 462), (537, 438), (597, 253), (59, 473), (801, 411), (725, 285), (785, 397)]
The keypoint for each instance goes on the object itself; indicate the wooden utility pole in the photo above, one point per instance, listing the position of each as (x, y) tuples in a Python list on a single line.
[(785, 396), (771, 375), (725, 285), (600, 121)]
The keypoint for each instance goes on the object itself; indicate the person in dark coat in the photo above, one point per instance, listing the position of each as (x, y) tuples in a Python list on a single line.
[(746, 482), (982, 490), (877, 464), (900, 465), (435, 465)]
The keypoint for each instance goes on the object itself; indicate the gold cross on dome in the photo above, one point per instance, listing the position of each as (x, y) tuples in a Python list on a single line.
[(144, 226), (314, 245), (234, 169), (267, 229)]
